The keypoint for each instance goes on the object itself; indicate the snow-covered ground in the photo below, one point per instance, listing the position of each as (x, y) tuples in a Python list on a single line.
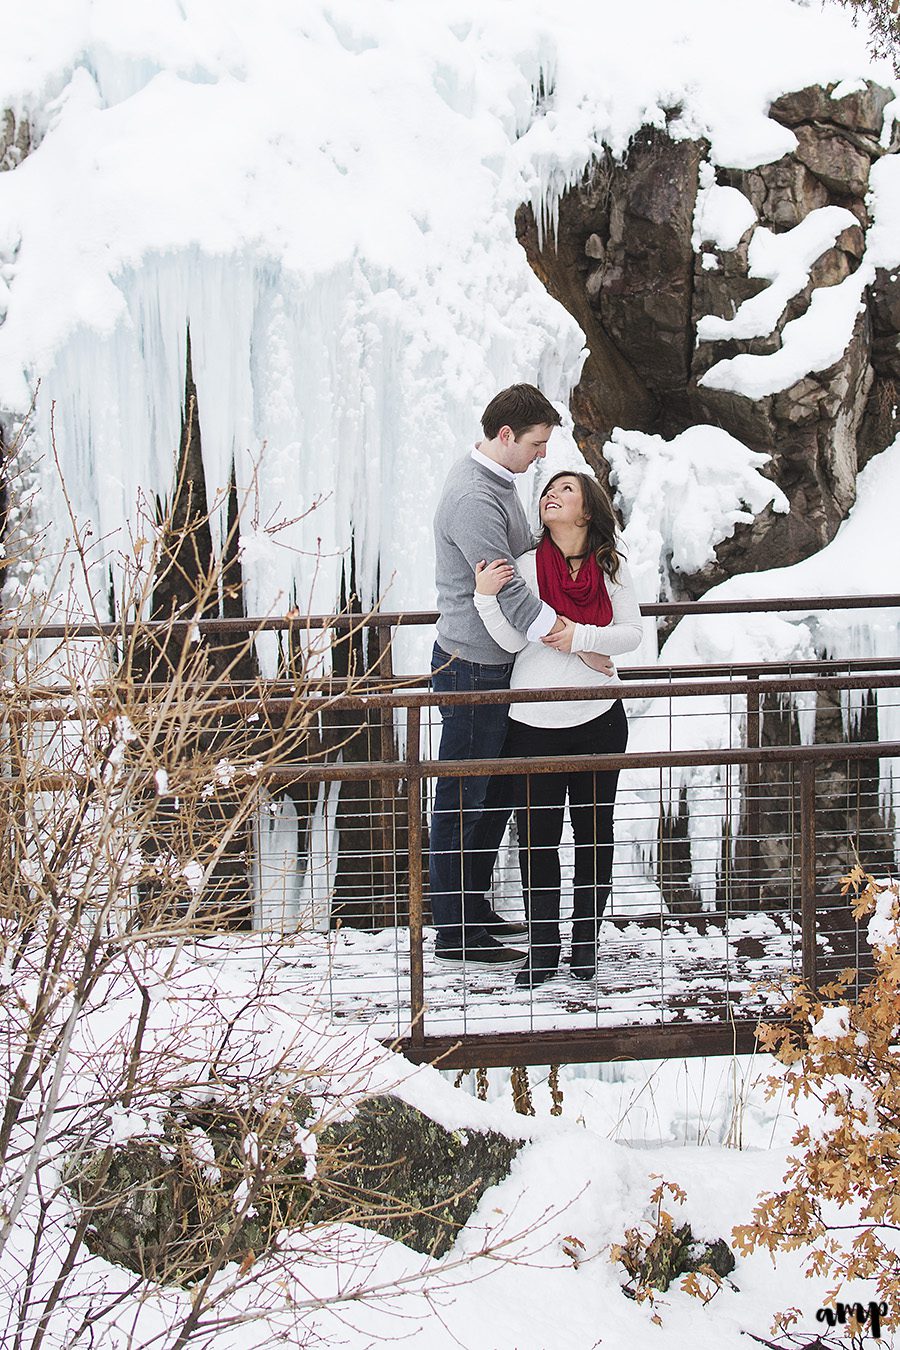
[(547, 1281)]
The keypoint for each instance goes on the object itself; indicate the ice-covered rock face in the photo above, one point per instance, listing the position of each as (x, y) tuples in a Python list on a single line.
[(761, 299), (326, 197)]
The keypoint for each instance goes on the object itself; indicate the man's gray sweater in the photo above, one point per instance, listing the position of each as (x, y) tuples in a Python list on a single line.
[(478, 517)]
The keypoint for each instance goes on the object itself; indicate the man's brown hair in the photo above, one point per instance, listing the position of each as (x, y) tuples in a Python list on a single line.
[(519, 407)]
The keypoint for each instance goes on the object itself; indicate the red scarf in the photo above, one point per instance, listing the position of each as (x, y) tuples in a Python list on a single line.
[(584, 598)]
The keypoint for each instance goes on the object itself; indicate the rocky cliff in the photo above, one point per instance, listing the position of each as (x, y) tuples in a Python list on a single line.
[(674, 267)]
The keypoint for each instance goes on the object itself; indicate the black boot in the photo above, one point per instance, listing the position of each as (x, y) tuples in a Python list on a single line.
[(583, 963), (542, 914), (532, 975)]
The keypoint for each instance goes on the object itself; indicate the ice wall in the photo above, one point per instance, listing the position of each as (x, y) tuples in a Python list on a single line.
[(325, 194)]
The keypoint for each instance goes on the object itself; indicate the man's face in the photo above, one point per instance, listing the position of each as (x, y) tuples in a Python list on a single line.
[(530, 445)]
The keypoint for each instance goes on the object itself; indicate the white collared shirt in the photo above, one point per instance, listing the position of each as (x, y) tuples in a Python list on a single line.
[(499, 469)]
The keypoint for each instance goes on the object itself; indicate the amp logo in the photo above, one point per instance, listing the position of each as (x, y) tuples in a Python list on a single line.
[(843, 1312)]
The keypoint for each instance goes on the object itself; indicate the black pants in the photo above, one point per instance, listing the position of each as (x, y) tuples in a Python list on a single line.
[(540, 803)]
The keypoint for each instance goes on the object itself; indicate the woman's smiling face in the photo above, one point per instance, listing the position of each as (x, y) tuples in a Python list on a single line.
[(562, 502)]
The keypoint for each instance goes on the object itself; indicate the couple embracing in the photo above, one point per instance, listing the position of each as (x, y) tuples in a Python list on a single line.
[(553, 620)]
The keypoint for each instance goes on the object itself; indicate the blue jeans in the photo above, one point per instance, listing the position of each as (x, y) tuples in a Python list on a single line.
[(457, 905)]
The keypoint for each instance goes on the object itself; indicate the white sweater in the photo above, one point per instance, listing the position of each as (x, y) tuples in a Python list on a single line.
[(541, 667)]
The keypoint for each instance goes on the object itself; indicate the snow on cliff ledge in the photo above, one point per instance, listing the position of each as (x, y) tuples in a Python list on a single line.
[(324, 193)]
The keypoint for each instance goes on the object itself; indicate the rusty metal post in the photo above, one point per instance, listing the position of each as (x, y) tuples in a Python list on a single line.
[(380, 663), (753, 784), (388, 786), (808, 870), (414, 834)]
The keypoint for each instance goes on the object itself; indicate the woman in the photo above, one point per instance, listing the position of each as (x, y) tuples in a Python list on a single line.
[(578, 570)]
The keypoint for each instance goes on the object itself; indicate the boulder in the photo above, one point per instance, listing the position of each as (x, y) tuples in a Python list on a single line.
[(432, 1178), (834, 160), (163, 1206), (781, 193), (644, 293), (610, 392), (862, 110), (671, 1253)]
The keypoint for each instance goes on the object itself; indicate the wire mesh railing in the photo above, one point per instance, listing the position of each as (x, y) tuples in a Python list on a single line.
[(746, 793), (726, 881)]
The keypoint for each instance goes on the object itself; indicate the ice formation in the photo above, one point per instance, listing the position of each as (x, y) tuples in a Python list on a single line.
[(325, 197)]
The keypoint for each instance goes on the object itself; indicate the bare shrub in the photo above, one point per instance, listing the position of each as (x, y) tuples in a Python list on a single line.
[(136, 1062)]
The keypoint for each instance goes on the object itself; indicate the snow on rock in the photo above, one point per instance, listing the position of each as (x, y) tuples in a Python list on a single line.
[(863, 557), (722, 215), (831, 1024), (882, 928), (680, 498), (891, 116), (784, 260), (883, 238), (811, 343)]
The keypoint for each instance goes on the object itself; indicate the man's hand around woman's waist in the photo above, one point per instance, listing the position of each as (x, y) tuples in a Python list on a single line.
[(490, 578), (560, 639)]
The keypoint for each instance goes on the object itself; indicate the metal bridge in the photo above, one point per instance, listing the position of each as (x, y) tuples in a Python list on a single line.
[(746, 793)]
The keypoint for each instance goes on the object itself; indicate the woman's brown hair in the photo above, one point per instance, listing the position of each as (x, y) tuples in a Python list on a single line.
[(602, 525)]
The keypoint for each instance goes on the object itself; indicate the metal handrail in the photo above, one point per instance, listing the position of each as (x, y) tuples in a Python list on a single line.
[(364, 771), (388, 700), (331, 685), (612, 690), (239, 626)]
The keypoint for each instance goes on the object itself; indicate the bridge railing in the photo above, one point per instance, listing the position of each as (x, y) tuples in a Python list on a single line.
[(761, 820), (746, 793)]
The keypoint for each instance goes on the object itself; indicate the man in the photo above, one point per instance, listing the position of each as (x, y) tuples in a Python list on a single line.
[(479, 518)]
